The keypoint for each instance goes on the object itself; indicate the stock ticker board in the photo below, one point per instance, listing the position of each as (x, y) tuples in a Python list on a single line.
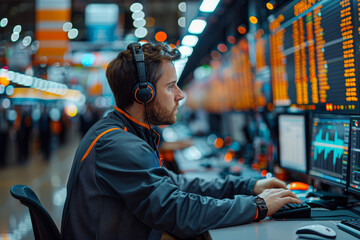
[(314, 50)]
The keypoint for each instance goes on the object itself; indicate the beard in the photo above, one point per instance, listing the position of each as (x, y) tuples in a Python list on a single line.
[(159, 115)]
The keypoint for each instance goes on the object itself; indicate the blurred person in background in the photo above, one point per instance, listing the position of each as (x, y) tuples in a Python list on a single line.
[(45, 134), (118, 189), (4, 130), (23, 127)]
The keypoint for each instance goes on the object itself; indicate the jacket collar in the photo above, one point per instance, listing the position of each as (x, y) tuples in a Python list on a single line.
[(131, 118), (138, 128)]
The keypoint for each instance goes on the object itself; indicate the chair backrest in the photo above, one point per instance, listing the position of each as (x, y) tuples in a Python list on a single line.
[(43, 225)]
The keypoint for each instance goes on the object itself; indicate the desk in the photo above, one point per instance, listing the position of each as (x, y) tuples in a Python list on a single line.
[(272, 230)]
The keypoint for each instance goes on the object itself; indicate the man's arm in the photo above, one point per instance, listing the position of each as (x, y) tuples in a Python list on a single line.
[(220, 187), (151, 195), (129, 170)]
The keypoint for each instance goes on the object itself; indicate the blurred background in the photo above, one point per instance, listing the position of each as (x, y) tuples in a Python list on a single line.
[(236, 70)]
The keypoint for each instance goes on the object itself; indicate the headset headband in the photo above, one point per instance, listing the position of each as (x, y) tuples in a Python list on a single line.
[(138, 54)]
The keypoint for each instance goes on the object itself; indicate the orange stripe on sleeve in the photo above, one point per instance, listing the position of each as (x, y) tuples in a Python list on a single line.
[(257, 213), (96, 139)]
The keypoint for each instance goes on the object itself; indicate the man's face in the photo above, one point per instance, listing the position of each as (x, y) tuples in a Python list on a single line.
[(162, 110)]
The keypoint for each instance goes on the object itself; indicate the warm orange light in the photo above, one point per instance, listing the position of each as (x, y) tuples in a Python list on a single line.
[(255, 166), (143, 41), (231, 39), (253, 20), (150, 21), (241, 30), (228, 157), (222, 47), (219, 143), (4, 81), (228, 141), (215, 54), (269, 6), (178, 43), (270, 107), (71, 110), (160, 36), (172, 46), (263, 173)]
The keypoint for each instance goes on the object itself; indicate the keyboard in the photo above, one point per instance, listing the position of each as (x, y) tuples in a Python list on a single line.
[(351, 226), (293, 210)]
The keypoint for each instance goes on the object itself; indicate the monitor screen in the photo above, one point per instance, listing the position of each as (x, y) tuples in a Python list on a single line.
[(292, 142), (354, 158), (329, 148), (313, 54)]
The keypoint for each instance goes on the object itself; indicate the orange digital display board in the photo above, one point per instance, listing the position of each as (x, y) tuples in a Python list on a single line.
[(312, 56), (230, 86)]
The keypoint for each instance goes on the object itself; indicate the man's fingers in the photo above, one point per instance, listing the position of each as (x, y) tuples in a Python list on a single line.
[(286, 200), (287, 193), (279, 184)]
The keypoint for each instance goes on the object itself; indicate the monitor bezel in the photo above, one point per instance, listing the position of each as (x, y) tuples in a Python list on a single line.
[(349, 188), (306, 118), (322, 179)]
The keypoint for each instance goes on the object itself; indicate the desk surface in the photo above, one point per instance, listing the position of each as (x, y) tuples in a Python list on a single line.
[(271, 229)]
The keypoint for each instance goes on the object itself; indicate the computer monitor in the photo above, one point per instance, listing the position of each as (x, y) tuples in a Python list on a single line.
[(292, 142), (354, 158), (329, 148)]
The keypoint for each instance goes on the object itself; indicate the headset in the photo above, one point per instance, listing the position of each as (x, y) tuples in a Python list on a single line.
[(143, 91)]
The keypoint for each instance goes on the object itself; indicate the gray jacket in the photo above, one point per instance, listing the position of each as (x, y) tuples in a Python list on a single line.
[(117, 189)]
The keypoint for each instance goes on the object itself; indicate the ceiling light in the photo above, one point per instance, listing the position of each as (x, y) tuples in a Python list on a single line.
[(15, 36), (140, 32), (17, 29), (190, 40), (197, 26), (67, 26), (209, 5), (3, 22), (135, 7), (182, 7), (182, 21), (73, 33), (138, 15), (139, 23), (185, 50), (26, 41)]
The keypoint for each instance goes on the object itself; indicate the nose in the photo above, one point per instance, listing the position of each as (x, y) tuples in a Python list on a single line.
[(180, 95)]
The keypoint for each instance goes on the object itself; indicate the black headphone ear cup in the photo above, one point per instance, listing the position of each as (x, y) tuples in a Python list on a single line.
[(144, 95)]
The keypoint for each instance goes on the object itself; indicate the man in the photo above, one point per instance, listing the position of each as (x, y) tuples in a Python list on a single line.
[(117, 188)]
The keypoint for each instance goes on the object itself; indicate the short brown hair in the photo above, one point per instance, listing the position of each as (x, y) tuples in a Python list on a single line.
[(122, 74)]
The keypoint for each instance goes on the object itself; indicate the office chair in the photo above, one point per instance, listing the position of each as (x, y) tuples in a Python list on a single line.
[(43, 225)]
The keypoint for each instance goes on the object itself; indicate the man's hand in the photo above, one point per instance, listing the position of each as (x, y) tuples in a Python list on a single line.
[(276, 198), (263, 184)]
